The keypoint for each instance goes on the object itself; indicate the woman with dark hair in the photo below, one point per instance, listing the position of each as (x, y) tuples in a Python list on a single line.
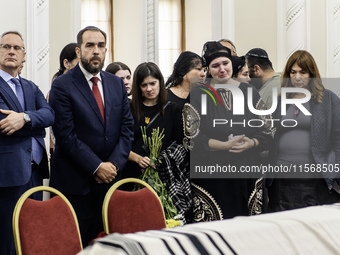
[(150, 109), (233, 145), (240, 69), (311, 145), (188, 68), (122, 71), (67, 59)]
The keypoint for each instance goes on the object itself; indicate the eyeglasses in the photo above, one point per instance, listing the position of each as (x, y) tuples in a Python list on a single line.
[(8, 47)]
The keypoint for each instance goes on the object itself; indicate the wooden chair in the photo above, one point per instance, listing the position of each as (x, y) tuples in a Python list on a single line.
[(45, 227), (132, 211)]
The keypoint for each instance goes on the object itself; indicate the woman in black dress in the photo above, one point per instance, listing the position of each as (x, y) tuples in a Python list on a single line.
[(236, 145)]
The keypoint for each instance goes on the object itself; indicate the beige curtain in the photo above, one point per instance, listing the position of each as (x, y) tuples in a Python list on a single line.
[(98, 13), (170, 34)]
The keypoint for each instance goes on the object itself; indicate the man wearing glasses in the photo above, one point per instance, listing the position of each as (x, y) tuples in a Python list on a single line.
[(24, 115)]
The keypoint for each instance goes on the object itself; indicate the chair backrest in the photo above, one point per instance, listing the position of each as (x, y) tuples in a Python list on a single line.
[(45, 227), (132, 211)]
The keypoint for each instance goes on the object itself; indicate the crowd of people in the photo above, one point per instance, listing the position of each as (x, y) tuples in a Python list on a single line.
[(210, 108)]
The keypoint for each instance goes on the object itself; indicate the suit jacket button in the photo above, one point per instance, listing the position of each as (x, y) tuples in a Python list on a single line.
[(30, 150), (106, 138)]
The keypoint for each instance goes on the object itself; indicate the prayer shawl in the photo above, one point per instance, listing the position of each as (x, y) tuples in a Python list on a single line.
[(174, 171)]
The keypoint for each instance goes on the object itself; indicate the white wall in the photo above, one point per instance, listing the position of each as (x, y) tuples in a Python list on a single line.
[(8, 22), (255, 25), (64, 26), (198, 22)]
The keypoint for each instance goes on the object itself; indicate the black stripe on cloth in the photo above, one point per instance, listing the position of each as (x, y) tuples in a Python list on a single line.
[(113, 245), (181, 246), (225, 241), (156, 234), (213, 242), (167, 246), (131, 246), (195, 242), (142, 247)]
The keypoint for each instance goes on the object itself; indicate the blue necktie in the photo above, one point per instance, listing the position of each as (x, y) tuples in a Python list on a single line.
[(36, 148), (19, 92)]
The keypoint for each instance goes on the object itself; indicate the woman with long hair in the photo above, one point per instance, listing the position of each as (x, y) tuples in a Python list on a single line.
[(150, 109), (311, 143), (67, 59)]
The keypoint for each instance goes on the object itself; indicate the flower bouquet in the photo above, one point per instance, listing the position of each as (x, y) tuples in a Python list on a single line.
[(150, 175)]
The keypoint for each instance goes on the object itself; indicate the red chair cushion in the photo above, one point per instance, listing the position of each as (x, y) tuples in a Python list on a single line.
[(48, 227), (132, 211)]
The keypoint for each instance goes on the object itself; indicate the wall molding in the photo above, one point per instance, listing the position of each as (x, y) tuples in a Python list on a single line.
[(333, 38), (293, 28)]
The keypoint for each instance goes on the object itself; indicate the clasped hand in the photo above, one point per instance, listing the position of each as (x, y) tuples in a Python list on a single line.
[(13, 122), (241, 144), (106, 173)]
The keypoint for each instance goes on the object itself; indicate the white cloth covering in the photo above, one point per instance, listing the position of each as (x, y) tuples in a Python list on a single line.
[(312, 230)]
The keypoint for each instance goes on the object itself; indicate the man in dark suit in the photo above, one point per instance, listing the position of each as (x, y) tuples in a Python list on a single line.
[(93, 131), (24, 115)]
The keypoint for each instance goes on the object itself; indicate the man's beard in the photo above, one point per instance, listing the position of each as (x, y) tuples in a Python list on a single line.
[(89, 67)]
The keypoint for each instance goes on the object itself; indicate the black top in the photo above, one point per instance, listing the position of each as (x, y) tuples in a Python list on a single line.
[(171, 122), (178, 100), (226, 196)]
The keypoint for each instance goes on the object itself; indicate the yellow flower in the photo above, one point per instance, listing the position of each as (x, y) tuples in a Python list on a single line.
[(173, 223)]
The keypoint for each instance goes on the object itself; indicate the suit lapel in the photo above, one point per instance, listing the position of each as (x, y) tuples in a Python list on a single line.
[(9, 97), (82, 85), (107, 96)]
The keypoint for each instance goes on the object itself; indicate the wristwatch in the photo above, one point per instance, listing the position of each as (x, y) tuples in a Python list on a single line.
[(27, 119), (117, 167)]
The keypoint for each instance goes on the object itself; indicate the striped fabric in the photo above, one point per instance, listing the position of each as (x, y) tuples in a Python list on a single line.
[(312, 230)]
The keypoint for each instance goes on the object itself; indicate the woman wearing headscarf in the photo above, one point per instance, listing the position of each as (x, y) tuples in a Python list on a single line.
[(240, 69), (234, 144), (310, 143)]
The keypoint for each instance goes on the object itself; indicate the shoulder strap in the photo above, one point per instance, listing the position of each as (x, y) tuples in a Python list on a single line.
[(155, 117)]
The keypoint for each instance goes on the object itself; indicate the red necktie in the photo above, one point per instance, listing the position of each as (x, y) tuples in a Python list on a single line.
[(97, 96)]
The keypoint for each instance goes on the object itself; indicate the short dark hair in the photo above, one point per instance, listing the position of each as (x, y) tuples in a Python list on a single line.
[(12, 32), (114, 67), (258, 56), (88, 28)]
